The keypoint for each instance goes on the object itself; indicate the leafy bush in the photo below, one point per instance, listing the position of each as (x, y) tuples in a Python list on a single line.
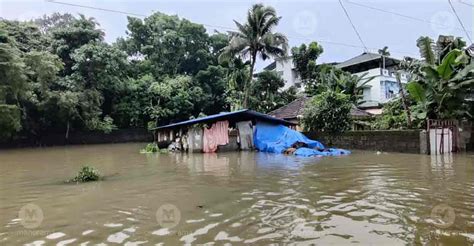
[(86, 174), (394, 116), (150, 148), (10, 120), (328, 112), (106, 125)]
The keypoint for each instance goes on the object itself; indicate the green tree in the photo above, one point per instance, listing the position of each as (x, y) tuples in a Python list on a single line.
[(384, 53), (104, 68), (48, 23), (43, 69), (169, 44), (25, 36), (12, 86), (174, 99), (12, 74), (134, 99), (10, 122), (304, 59), (255, 38), (328, 112), (265, 92), (213, 83), (237, 77), (72, 36)]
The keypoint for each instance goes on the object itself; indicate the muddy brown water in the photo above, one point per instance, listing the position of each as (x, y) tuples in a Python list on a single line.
[(238, 198)]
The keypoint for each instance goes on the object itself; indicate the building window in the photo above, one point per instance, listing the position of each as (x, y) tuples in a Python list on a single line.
[(389, 89)]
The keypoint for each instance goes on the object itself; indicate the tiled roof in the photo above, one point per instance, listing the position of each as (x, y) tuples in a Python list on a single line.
[(291, 110), (295, 108), (357, 112)]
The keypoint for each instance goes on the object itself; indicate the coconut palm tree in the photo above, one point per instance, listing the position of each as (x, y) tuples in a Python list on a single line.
[(384, 53), (256, 38)]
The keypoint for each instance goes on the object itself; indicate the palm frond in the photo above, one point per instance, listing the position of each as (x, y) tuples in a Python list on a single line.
[(425, 44)]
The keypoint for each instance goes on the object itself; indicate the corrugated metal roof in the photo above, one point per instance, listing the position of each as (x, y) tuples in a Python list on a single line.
[(241, 115), (364, 57)]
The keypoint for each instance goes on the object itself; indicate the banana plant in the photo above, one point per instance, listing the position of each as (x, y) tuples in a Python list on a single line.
[(440, 89)]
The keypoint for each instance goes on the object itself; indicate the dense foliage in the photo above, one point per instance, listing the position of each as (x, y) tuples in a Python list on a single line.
[(328, 112), (444, 81), (441, 86), (86, 174), (58, 75)]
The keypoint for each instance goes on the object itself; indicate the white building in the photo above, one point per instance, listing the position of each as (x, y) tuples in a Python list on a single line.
[(287, 71), (379, 90), (384, 86)]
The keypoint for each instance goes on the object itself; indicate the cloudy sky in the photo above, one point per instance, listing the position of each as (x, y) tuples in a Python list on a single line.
[(396, 24)]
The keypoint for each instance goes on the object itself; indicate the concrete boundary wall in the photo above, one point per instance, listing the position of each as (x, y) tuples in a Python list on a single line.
[(405, 141), (117, 136)]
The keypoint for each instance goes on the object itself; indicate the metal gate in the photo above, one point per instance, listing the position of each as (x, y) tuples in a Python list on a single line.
[(443, 136)]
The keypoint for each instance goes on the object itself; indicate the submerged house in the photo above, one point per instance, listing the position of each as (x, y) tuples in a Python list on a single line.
[(220, 132)]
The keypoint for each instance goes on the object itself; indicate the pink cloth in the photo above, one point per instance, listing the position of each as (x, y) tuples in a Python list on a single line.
[(218, 134)]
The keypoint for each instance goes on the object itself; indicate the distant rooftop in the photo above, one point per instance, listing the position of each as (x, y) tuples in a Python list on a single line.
[(295, 108), (291, 110), (366, 61), (370, 104)]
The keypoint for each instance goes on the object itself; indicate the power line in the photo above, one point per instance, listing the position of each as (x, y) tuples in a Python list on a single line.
[(121, 12), (459, 19), (401, 15), (353, 26), (224, 28), (95, 8), (468, 4)]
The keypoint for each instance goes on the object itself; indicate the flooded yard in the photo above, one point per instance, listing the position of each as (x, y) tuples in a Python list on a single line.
[(238, 198)]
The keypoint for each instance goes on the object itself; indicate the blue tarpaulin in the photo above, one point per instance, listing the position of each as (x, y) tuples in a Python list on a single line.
[(277, 138)]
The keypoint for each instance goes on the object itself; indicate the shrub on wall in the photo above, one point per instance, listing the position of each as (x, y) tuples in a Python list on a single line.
[(328, 112)]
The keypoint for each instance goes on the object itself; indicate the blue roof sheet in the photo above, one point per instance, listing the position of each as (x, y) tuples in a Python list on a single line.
[(244, 114)]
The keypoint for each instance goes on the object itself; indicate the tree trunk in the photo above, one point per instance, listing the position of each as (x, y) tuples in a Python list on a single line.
[(247, 84), (404, 101), (67, 130)]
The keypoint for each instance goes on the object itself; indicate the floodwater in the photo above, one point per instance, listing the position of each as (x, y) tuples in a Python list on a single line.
[(239, 198)]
